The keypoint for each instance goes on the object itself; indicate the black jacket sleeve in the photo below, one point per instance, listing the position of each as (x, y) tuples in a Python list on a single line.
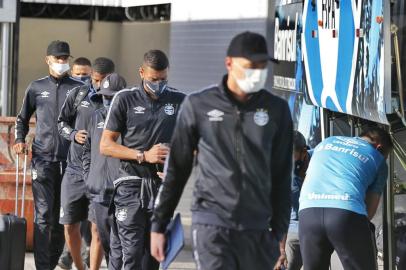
[(23, 118), (180, 163), (282, 173), (67, 116), (86, 156)]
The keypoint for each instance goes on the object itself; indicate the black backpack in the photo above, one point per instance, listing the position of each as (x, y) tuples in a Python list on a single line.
[(80, 96)]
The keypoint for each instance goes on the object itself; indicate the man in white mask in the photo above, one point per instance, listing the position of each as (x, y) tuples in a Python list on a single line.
[(240, 135), (45, 97), (57, 58)]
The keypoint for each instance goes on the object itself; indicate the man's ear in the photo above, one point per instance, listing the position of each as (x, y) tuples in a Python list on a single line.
[(46, 60), (303, 154), (228, 61), (379, 147), (141, 72)]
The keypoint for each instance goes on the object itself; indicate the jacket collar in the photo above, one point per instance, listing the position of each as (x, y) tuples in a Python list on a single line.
[(56, 80)]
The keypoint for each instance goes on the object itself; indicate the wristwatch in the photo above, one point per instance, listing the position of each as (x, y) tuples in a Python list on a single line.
[(140, 157)]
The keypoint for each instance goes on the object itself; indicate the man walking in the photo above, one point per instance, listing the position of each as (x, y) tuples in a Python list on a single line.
[(145, 118), (242, 138), (100, 172), (81, 70), (45, 97), (72, 123)]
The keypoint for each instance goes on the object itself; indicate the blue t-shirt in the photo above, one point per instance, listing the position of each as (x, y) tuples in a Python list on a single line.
[(341, 171)]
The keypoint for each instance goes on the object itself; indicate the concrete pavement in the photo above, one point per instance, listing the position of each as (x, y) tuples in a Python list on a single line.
[(184, 261)]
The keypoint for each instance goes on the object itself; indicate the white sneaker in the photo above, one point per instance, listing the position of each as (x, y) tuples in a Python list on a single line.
[(84, 267)]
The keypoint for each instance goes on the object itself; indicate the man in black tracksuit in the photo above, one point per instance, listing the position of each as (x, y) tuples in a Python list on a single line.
[(145, 118), (45, 97), (100, 172), (72, 123), (81, 70), (242, 136)]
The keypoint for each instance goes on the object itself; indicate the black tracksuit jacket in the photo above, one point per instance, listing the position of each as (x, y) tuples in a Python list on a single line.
[(142, 123), (45, 97), (71, 120), (244, 160), (99, 171)]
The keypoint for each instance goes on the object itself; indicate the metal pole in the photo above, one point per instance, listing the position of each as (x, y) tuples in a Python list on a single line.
[(24, 181), (323, 123), (5, 51), (394, 30), (357, 128), (388, 220), (331, 125), (352, 127), (14, 63), (17, 180)]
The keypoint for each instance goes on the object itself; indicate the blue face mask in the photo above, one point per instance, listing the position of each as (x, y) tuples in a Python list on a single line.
[(106, 102), (156, 87), (85, 79)]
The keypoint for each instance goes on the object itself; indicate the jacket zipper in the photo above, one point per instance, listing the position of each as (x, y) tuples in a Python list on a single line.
[(238, 137), (56, 114), (238, 150)]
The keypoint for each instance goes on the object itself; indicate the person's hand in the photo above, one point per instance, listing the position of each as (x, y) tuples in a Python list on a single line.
[(281, 263), (19, 148), (80, 136), (161, 175), (158, 246), (157, 154)]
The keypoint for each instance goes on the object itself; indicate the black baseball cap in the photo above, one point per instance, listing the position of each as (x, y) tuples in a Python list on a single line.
[(112, 84), (251, 46), (58, 48)]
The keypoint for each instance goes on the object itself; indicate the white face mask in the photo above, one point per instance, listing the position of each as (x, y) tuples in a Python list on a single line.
[(60, 68), (254, 80)]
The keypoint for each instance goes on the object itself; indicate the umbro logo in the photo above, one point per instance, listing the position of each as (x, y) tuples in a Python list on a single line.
[(45, 94), (100, 125), (215, 115), (85, 104), (139, 110)]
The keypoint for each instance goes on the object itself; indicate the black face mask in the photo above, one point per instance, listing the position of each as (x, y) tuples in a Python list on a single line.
[(299, 164)]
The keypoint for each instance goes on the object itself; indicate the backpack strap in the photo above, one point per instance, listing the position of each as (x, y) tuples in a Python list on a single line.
[(80, 96)]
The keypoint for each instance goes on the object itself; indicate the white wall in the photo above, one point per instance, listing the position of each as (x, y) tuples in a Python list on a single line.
[(195, 10)]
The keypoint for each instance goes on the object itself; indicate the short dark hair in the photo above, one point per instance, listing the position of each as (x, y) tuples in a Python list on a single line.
[(82, 61), (378, 136), (103, 65), (299, 141), (156, 59)]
